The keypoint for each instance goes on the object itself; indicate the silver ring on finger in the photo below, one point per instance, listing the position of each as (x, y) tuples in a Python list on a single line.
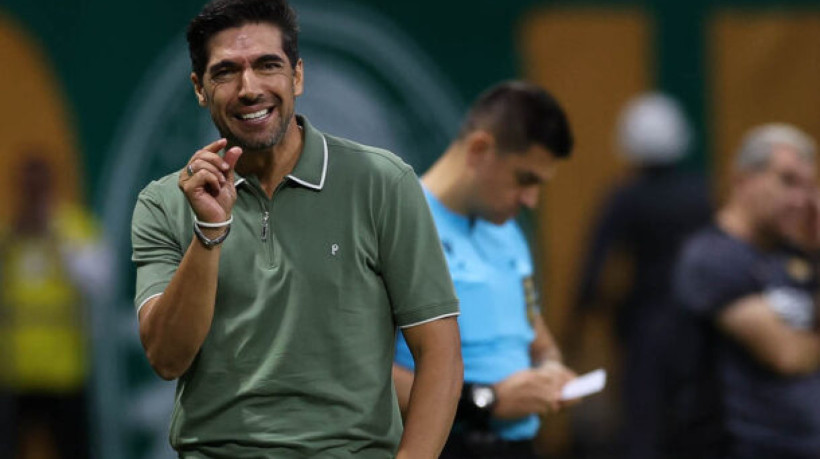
[(190, 170)]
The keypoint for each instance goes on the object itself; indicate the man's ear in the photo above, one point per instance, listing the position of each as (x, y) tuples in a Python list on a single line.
[(199, 90), (480, 145), (298, 78)]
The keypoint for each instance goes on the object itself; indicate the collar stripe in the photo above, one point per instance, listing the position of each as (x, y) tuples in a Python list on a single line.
[(324, 171)]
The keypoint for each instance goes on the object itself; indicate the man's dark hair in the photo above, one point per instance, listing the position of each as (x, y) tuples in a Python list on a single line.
[(219, 15), (518, 115)]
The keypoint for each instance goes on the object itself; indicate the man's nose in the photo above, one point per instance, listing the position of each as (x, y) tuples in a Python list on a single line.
[(804, 199), (530, 195), (249, 89)]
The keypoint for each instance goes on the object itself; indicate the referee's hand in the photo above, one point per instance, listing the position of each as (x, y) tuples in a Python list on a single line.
[(527, 392)]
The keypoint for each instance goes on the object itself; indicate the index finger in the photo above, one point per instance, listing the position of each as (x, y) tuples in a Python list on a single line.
[(216, 145), (231, 157)]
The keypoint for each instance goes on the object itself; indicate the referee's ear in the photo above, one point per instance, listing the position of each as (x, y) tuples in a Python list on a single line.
[(479, 146)]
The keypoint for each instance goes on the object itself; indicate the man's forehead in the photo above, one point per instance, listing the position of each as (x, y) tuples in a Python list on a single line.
[(787, 159), (537, 159), (245, 42), (787, 155)]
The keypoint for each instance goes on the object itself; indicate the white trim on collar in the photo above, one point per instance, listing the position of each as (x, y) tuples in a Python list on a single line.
[(324, 171)]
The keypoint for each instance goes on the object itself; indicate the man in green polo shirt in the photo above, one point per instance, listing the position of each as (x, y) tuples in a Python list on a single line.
[(271, 278)]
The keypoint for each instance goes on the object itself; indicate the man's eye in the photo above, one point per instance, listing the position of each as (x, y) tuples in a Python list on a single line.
[(527, 179), (789, 180), (271, 66), (221, 74)]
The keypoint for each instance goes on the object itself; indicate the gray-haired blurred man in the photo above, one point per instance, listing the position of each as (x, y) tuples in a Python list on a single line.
[(751, 279), (645, 219)]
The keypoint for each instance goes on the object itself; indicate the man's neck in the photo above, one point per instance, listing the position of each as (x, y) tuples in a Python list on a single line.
[(445, 180), (273, 164), (739, 224)]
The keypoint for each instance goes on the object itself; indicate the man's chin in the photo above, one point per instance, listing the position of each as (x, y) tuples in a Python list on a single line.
[(251, 144), (500, 219), (790, 233)]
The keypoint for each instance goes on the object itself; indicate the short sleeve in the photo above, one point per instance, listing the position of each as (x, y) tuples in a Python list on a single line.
[(411, 259), (156, 253), (713, 273)]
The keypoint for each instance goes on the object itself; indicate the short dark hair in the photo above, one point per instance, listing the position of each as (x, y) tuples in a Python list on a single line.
[(219, 15), (519, 114)]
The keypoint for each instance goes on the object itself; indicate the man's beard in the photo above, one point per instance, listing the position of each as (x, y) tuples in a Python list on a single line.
[(255, 144)]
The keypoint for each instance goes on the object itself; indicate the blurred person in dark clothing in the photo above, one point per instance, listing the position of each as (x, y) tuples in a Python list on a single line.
[(751, 278), (645, 217), (50, 264)]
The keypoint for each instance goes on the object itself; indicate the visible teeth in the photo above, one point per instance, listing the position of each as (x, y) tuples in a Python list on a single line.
[(254, 115)]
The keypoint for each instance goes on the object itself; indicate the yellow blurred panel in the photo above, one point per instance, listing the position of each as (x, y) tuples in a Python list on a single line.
[(34, 119), (593, 60), (765, 67)]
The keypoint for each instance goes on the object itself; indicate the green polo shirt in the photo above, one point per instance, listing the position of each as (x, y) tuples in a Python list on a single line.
[(312, 285)]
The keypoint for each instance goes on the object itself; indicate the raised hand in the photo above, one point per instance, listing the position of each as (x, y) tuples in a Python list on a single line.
[(812, 221), (207, 182)]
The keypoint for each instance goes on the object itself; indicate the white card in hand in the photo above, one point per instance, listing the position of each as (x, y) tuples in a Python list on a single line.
[(584, 385)]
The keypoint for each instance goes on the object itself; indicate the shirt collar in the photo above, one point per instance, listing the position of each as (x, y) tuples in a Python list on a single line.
[(311, 168)]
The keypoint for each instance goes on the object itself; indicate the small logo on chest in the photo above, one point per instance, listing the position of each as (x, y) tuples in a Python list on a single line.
[(799, 269), (333, 249)]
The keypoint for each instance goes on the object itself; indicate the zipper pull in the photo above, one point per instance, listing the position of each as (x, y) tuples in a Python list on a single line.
[(265, 226)]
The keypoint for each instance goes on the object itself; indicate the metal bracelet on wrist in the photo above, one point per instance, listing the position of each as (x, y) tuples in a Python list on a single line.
[(210, 243)]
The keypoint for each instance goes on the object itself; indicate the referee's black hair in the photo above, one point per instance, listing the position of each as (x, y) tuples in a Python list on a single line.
[(219, 15), (519, 114)]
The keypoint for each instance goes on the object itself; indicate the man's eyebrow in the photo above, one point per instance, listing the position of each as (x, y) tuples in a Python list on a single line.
[(269, 58), (528, 177), (226, 64)]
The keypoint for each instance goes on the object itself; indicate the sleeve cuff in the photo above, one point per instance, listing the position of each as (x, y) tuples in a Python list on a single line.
[(427, 314)]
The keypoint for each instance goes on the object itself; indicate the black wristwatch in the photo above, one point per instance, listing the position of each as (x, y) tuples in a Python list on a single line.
[(482, 396), (475, 406)]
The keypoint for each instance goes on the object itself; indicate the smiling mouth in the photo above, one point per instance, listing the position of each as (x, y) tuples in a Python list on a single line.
[(255, 115)]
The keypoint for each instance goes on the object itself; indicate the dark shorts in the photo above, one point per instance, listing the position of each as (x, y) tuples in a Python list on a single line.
[(478, 445)]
